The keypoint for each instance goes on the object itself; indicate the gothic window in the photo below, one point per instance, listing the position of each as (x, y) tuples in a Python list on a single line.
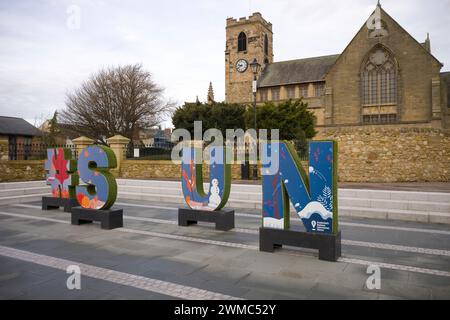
[(379, 79), (318, 89), (304, 90), (379, 87), (291, 92), (275, 94), (263, 95), (242, 42), (266, 45)]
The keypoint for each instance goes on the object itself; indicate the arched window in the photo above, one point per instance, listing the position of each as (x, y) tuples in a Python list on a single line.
[(379, 87), (266, 45), (242, 42)]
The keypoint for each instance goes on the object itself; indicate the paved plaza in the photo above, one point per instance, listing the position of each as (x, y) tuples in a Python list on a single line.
[(153, 258)]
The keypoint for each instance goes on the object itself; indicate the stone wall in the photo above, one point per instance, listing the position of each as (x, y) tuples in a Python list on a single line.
[(151, 169), (388, 153), (21, 170), (391, 153), (163, 169)]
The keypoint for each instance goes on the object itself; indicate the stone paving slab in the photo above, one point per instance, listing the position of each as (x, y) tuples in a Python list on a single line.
[(232, 271)]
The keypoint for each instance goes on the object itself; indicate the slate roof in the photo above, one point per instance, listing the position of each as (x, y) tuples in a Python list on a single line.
[(446, 77), (17, 126), (296, 71)]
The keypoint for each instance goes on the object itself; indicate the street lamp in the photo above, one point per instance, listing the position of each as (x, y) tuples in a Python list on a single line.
[(255, 66)]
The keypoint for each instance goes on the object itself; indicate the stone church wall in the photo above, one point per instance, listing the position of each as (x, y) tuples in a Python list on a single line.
[(391, 153)]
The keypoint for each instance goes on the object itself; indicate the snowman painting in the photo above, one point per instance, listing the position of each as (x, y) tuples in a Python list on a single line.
[(214, 198)]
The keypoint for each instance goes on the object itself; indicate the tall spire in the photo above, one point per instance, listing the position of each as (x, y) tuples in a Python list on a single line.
[(379, 4), (210, 98), (428, 43)]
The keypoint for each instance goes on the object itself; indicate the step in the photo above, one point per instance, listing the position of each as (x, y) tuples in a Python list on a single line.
[(255, 196), (19, 185), (396, 204), (23, 198), (395, 195), (178, 199), (241, 197), (23, 191), (350, 193), (391, 214), (343, 201)]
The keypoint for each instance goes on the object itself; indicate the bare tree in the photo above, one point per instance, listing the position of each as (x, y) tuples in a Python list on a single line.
[(121, 100)]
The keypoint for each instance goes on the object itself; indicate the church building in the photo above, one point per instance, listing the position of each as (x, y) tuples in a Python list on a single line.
[(384, 76)]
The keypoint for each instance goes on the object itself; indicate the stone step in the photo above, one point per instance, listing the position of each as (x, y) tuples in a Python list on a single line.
[(377, 204), (350, 193), (395, 195), (344, 211), (24, 191), (257, 198), (20, 185), (391, 214), (395, 204), (23, 198)]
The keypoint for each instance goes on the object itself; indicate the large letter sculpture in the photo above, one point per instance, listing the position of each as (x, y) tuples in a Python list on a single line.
[(192, 180), (206, 206), (61, 173), (314, 199), (100, 192)]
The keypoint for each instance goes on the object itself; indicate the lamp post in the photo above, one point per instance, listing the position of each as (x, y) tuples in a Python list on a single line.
[(255, 66)]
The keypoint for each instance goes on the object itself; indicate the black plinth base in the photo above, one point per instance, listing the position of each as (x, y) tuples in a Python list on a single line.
[(329, 245), (109, 219), (49, 203), (224, 220)]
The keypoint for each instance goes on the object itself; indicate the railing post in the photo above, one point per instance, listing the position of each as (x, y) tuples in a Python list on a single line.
[(118, 144), (81, 143)]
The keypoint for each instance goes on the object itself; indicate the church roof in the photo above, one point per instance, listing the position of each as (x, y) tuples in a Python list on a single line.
[(296, 71)]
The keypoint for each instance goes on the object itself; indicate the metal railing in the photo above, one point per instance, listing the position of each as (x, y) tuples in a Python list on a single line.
[(34, 151)]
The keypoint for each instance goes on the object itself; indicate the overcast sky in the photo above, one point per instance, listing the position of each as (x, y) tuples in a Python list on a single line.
[(44, 53)]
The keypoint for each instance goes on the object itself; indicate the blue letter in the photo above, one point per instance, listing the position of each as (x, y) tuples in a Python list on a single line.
[(314, 199)]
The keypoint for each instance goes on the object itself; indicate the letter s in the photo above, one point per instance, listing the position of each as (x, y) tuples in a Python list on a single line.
[(94, 163)]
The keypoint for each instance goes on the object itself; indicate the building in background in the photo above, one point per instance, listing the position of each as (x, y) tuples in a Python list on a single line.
[(383, 76), (16, 138)]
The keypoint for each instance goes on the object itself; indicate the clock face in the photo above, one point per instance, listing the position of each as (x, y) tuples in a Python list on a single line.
[(241, 65)]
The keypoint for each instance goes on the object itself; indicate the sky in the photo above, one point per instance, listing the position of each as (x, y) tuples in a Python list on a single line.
[(49, 47)]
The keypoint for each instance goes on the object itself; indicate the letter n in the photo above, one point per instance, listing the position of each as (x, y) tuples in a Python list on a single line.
[(314, 198)]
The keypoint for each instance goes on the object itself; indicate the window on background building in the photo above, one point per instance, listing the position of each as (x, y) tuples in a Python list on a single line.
[(266, 45), (291, 92), (379, 85), (275, 94), (304, 90), (379, 118), (318, 89), (242, 42), (263, 95)]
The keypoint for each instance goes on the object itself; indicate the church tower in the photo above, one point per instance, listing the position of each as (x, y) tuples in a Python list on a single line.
[(246, 39)]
